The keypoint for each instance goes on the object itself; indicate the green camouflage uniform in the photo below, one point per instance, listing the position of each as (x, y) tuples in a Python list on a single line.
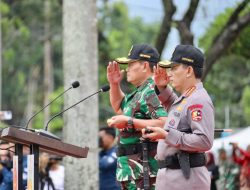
[(229, 176), (142, 103)]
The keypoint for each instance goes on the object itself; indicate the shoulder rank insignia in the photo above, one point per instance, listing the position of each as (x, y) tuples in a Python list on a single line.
[(189, 91)]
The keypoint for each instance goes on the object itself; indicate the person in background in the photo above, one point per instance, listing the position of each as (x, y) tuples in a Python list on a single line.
[(213, 169), (6, 176), (107, 160), (242, 158), (56, 172), (51, 172), (43, 174), (26, 151), (229, 172)]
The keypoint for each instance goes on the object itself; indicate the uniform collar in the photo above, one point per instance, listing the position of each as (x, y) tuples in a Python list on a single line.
[(149, 81), (199, 85), (189, 91)]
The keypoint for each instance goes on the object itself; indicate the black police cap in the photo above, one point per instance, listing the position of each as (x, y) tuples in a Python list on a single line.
[(185, 54), (140, 52)]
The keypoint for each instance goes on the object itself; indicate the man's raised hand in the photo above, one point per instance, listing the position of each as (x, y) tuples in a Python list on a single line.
[(160, 77), (114, 74)]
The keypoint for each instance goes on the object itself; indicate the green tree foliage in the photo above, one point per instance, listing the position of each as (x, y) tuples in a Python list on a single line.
[(246, 103), (230, 76), (57, 123), (23, 35), (22, 32)]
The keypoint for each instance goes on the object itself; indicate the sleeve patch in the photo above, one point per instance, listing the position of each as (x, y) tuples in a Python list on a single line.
[(196, 115), (195, 106)]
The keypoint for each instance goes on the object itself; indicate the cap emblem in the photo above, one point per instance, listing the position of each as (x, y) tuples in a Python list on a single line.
[(187, 59), (145, 56)]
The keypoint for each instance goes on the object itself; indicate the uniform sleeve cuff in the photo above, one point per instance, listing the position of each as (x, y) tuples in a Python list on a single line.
[(173, 137)]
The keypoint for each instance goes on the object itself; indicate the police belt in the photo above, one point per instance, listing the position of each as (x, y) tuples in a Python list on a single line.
[(172, 162), (125, 150)]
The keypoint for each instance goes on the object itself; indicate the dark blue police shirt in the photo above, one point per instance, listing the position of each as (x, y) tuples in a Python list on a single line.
[(107, 170)]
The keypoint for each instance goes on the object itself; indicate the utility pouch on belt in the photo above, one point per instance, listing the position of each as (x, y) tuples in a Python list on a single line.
[(183, 161)]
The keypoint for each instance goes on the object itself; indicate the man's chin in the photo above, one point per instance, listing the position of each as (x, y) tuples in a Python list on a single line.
[(128, 80)]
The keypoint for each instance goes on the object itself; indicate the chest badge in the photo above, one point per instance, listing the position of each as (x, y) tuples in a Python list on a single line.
[(177, 114), (179, 108), (196, 115), (172, 122)]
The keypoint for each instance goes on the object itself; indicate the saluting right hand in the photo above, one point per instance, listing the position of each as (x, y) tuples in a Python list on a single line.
[(114, 74), (160, 77)]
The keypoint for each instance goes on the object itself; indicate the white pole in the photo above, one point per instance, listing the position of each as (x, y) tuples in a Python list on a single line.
[(0, 59), (227, 117)]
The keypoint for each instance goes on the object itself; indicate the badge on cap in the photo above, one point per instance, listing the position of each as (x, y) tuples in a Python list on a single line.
[(196, 115)]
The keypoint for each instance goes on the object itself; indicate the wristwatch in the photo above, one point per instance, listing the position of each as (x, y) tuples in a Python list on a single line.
[(130, 123)]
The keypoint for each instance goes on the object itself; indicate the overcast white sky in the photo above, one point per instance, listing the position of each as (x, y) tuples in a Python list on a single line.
[(152, 11)]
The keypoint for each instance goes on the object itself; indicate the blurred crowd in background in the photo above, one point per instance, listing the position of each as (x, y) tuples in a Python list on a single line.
[(232, 169), (51, 171)]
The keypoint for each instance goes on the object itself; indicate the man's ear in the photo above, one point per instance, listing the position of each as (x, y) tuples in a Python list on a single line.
[(145, 66), (190, 71)]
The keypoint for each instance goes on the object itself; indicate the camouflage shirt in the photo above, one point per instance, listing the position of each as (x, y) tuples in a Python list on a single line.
[(142, 103), (229, 176)]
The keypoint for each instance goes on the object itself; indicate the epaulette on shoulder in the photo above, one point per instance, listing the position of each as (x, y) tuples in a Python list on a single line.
[(189, 91)]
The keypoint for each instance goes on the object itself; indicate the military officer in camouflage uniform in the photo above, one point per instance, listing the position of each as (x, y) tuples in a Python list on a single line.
[(189, 129), (135, 111)]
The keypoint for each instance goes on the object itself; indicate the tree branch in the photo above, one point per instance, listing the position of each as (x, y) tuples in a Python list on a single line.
[(236, 12), (169, 10), (183, 25), (224, 41), (233, 17)]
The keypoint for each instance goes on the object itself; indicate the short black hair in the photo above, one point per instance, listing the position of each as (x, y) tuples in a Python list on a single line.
[(197, 72), (108, 130), (151, 64)]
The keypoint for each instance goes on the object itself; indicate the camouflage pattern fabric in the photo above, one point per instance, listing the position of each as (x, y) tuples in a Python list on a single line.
[(137, 184), (142, 103), (229, 176)]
